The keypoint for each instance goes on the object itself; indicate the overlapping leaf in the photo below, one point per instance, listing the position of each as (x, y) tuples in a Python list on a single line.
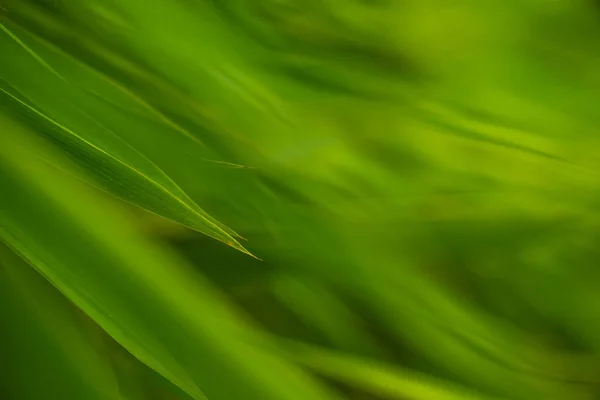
[(165, 314)]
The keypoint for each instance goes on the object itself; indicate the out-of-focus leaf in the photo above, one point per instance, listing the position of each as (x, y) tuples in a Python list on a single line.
[(165, 314), (47, 353), (383, 380), (435, 162), (324, 311)]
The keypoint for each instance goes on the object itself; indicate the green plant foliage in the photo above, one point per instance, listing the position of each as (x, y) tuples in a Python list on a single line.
[(404, 197)]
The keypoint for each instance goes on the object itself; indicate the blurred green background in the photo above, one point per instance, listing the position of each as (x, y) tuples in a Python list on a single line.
[(299, 199)]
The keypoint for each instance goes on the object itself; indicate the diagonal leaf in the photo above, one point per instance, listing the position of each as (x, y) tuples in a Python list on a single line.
[(71, 121), (146, 298), (46, 350), (385, 381)]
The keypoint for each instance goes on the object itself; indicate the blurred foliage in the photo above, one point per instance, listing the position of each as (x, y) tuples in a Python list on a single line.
[(404, 197)]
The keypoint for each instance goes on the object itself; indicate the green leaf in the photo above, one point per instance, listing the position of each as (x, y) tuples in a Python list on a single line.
[(323, 310), (75, 121), (146, 298), (47, 352), (382, 380)]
